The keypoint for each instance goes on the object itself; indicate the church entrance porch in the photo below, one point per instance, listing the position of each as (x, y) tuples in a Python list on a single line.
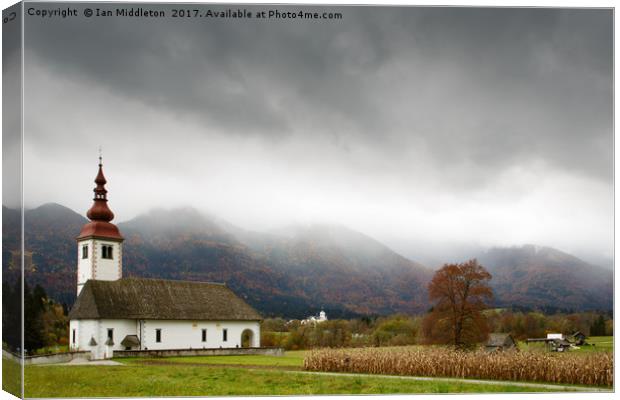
[(247, 338)]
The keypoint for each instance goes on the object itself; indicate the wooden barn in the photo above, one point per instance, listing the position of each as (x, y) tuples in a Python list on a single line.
[(579, 338), (500, 342)]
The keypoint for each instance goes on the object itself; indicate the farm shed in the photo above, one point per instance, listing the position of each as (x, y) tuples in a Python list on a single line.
[(579, 338), (500, 342), (560, 345)]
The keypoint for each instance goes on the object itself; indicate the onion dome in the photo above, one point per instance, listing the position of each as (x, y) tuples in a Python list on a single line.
[(99, 213)]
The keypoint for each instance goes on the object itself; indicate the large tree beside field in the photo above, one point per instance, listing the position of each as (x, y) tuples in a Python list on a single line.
[(459, 293)]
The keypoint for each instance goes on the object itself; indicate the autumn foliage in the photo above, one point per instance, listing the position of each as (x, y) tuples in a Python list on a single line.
[(459, 293)]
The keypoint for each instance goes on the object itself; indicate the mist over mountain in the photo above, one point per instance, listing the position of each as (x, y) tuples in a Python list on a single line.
[(297, 269), (166, 225), (535, 276)]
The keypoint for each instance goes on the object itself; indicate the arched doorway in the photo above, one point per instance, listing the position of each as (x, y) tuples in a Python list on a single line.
[(247, 338)]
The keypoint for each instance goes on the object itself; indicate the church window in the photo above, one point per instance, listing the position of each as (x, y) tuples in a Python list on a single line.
[(158, 335), (111, 334), (225, 335), (73, 337), (85, 251), (106, 252), (204, 335)]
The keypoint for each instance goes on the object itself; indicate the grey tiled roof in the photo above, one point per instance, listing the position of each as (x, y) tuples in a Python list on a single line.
[(130, 341), (500, 339), (139, 298)]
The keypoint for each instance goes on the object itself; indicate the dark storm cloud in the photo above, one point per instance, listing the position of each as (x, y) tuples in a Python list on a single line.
[(441, 124), (494, 87), (11, 107)]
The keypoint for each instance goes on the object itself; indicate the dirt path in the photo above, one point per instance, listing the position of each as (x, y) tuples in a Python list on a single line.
[(550, 386)]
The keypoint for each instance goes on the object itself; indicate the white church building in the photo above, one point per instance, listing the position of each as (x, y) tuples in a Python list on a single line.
[(115, 313), (313, 319)]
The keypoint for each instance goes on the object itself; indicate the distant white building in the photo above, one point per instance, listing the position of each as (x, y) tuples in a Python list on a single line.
[(555, 336), (313, 319), (114, 313)]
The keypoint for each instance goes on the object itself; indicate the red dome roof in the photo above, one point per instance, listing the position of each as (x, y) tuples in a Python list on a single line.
[(100, 229), (100, 214)]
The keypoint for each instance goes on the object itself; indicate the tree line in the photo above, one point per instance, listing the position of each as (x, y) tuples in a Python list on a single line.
[(400, 330), (45, 322), (460, 316)]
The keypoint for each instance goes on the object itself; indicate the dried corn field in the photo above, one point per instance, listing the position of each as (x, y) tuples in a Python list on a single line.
[(592, 369)]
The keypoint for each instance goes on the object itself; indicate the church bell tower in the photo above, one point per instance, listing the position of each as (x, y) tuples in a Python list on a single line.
[(100, 244)]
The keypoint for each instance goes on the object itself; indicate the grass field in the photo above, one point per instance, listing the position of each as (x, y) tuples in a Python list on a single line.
[(232, 375), (189, 380), (11, 377), (289, 359), (599, 343)]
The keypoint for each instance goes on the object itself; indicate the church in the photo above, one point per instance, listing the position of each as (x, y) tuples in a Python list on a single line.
[(115, 313)]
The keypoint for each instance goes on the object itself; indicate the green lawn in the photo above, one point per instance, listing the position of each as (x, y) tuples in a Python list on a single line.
[(289, 359), (189, 380), (11, 377), (600, 343), (229, 375)]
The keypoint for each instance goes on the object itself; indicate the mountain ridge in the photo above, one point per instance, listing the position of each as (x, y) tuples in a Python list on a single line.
[(294, 271)]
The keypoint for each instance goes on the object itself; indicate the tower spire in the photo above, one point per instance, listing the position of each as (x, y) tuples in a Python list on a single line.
[(100, 210), (100, 244), (99, 213)]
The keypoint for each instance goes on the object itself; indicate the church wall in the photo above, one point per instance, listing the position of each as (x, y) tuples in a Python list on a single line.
[(84, 329), (122, 328), (99, 330), (188, 334), (84, 264), (96, 267), (174, 334), (108, 269)]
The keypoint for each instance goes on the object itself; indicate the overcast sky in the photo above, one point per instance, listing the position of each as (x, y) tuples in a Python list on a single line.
[(420, 127)]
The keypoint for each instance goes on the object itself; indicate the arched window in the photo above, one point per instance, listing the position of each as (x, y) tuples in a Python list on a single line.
[(106, 252)]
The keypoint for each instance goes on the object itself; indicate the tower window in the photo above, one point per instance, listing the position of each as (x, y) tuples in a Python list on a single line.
[(204, 335), (85, 251), (158, 335), (225, 335), (106, 252)]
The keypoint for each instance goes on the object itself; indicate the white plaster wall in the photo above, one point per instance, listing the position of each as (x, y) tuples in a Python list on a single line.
[(188, 334), (99, 330), (84, 329), (108, 269), (174, 334), (84, 265), (96, 267)]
